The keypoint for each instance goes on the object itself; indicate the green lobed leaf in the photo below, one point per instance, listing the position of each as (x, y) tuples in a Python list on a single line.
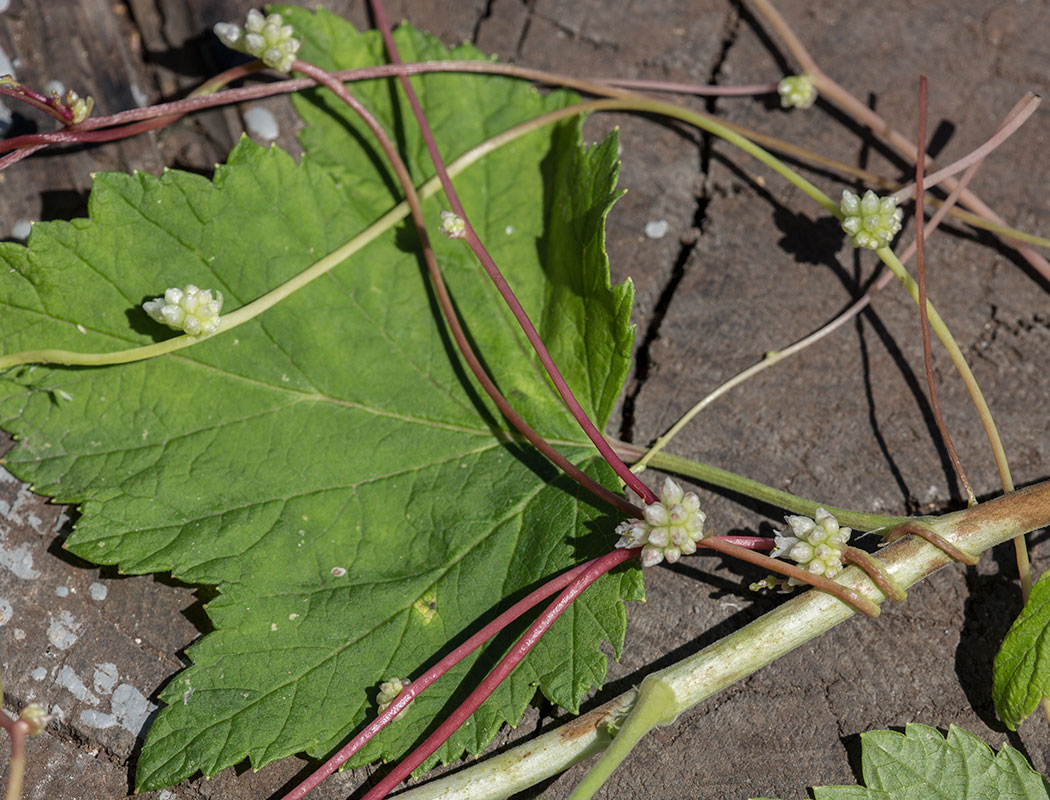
[(921, 764), (337, 431), (1021, 670)]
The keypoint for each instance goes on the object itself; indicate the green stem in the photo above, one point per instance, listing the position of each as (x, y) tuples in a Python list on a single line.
[(760, 491), (713, 126), (771, 358), (745, 651)]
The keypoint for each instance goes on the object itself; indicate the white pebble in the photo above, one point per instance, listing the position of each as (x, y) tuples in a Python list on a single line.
[(98, 591), (261, 123), (6, 67), (656, 229), (20, 230)]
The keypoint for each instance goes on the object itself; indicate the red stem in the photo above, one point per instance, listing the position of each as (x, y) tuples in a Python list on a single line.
[(38, 101), (160, 115), (7, 159), (750, 542)]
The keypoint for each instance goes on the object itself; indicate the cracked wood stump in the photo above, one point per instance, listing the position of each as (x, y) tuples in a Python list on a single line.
[(746, 264)]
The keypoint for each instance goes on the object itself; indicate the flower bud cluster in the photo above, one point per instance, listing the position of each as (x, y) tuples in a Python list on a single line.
[(453, 225), (191, 310), (797, 91), (36, 716), (265, 37), (78, 107), (870, 221), (671, 528), (388, 692), (816, 545)]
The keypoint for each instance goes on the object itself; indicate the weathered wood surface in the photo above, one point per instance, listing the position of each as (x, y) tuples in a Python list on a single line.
[(747, 265)]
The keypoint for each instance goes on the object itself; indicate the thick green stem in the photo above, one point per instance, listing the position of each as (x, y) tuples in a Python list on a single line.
[(745, 651)]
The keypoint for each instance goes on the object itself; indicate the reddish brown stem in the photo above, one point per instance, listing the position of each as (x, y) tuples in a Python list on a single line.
[(750, 542), (936, 540), (876, 571), (7, 159), (920, 270), (48, 105), (158, 116), (847, 596)]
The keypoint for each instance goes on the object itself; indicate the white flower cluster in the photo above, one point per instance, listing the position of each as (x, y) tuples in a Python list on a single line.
[(870, 221), (388, 692), (816, 546), (453, 225), (671, 528), (796, 91), (190, 310), (265, 37)]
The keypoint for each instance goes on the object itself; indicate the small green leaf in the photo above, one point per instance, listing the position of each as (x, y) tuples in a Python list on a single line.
[(1021, 671), (921, 764)]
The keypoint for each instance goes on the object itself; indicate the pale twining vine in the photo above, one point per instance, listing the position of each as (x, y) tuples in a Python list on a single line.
[(548, 394)]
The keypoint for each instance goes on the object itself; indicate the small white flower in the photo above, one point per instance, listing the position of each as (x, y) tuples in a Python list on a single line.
[(870, 221), (191, 310), (671, 528), (265, 37), (816, 546), (453, 225), (388, 692), (797, 91)]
